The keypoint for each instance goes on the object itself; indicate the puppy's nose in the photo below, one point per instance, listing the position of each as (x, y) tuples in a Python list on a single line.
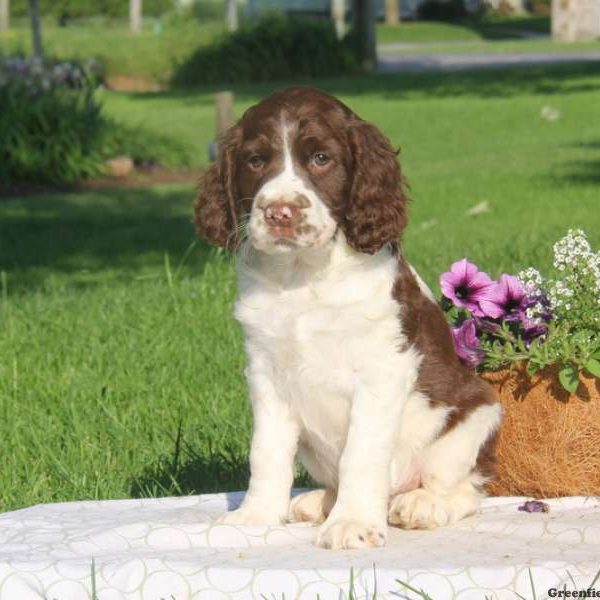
[(282, 214)]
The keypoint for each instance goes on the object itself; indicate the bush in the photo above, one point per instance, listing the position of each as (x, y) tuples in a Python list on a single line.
[(89, 8), (52, 128), (442, 10), (276, 47)]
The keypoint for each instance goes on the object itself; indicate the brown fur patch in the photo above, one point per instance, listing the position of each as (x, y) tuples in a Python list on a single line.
[(442, 377)]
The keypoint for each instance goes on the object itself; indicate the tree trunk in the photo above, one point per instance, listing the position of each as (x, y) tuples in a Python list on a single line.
[(231, 15), (36, 28), (4, 15), (364, 25), (135, 15), (392, 14), (338, 14), (574, 20)]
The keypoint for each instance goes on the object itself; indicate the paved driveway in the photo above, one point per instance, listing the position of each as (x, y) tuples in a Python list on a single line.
[(392, 62)]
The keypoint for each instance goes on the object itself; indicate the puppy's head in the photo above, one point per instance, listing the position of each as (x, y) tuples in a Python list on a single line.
[(296, 168)]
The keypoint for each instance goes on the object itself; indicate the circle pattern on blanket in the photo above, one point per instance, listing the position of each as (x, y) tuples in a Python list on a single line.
[(171, 547)]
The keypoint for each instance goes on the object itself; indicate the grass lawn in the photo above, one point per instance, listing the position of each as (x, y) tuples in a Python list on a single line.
[(492, 28), (120, 363), (151, 54)]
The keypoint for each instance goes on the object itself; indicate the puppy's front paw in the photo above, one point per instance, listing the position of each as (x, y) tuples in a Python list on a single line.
[(250, 516), (350, 534)]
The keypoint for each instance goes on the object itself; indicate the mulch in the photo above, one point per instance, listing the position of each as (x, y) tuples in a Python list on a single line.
[(140, 178)]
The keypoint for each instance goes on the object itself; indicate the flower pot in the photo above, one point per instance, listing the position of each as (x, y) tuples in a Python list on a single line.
[(549, 444)]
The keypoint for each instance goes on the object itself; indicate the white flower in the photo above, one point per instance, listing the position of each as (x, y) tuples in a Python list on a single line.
[(532, 281)]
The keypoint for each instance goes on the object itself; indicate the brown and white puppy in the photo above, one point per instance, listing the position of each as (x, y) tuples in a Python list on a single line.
[(351, 365)]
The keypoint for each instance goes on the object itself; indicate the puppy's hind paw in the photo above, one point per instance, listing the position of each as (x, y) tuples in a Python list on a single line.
[(311, 507)]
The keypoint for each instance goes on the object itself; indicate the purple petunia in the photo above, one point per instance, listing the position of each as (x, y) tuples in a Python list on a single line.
[(467, 344), (466, 286), (507, 299)]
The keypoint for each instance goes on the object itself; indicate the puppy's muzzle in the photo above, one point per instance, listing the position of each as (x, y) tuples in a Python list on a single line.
[(282, 218)]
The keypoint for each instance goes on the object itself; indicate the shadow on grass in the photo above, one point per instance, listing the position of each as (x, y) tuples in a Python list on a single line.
[(187, 471), (508, 29), (581, 172), (500, 83), (87, 236)]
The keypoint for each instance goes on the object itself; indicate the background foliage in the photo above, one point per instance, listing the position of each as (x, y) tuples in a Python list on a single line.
[(274, 47)]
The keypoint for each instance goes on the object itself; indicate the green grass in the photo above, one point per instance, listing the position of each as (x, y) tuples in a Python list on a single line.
[(153, 54), (150, 55), (120, 363), (539, 46), (491, 28)]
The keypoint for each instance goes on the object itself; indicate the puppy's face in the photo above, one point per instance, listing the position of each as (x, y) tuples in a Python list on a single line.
[(296, 168), (296, 171)]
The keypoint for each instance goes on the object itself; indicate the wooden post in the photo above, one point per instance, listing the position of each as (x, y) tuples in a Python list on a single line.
[(224, 111), (224, 119), (338, 14), (364, 24), (4, 15), (392, 14), (231, 15), (135, 15), (36, 28)]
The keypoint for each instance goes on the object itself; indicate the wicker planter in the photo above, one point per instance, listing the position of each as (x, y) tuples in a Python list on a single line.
[(549, 445)]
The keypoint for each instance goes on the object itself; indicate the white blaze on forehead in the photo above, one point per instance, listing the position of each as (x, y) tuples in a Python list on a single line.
[(286, 183), (288, 161)]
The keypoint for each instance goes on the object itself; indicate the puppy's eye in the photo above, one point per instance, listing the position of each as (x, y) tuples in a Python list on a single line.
[(319, 159), (256, 162)]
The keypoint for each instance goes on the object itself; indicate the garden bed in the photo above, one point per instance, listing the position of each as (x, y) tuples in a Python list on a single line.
[(141, 177)]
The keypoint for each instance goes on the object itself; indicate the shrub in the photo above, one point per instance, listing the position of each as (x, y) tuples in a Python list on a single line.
[(276, 47), (442, 10), (53, 130), (89, 8)]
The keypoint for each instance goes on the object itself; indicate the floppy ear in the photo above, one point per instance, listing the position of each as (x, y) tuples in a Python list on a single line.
[(215, 214), (376, 212)]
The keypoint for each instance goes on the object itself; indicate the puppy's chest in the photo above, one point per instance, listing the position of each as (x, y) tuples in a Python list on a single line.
[(320, 336)]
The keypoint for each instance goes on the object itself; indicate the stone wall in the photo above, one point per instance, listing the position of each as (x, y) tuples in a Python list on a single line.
[(575, 20)]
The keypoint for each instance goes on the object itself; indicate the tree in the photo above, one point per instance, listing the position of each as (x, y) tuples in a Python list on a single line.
[(4, 15), (364, 26), (36, 28), (231, 15), (338, 14), (135, 15), (392, 14)]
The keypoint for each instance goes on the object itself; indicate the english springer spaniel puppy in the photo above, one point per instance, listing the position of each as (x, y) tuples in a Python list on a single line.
[(351, 364)]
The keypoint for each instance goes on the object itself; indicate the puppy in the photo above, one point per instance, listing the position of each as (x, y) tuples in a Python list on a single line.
[(351, 365)]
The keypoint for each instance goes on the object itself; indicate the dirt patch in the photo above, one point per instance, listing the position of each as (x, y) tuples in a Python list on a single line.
[(140, 178), (128, 83)]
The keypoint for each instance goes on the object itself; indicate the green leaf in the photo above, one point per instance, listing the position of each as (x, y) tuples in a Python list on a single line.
[(569, 377), (596, 354), (592, 366)]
